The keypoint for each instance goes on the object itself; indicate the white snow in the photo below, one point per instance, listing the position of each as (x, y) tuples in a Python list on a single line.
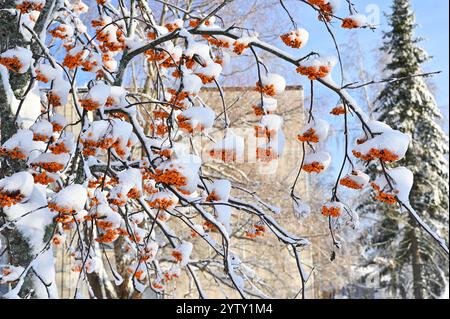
[(49, 72), (99, 93), (23, 56), (211, 70), (321, 157), (191, 83), (360, 20), (117, 95), (403, 180), (42, 127), (185, 248), (278, 82), (201, 117), (73, 197), (301, 209), (106, 214), (22, 140), (394, 141), (299, 35), (58, 119), (61, 88), (272, 122), (320, 127), (62, 159), (21, 182), (359, 177), (222, 188), (269, 104)]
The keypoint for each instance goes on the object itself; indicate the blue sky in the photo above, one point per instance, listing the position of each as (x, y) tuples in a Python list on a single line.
[(433, 23), (432, 16)]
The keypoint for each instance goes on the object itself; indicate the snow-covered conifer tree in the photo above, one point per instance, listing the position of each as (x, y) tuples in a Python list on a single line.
[(405, 256)]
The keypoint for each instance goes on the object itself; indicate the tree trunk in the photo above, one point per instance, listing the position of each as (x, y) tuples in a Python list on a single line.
[(19, 252), (416, 265), (10, 37)]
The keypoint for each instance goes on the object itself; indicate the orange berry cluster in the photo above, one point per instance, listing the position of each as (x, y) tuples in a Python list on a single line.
[(309, 136), (349, 23), (161, 203), (108, 236), (209, 227), (196, 21), (160, 114), (258, 110), (58, 148), (51, 167), (177, 255), (168, 276), (42, 178), (57, 127), (40, 77), (170, 177), (205, 79), (58, 32), (384, 155), (57, 240), (324, 7), (119, 200), (89, 104), (314, 72), (291, 39), (161, 129), (15, 153), (265, 89), (213, 197), (313, 167), (350, 183), (259, 229), (216, 42), (28, 6), (184, 124), (106, 45), (53, 99), (154, 55), (384, 197), (331, 211), (39, 137), (73, 61), (88, 65), (8, 199), (90, 146), (171, 27), (338, 110), (177, 98), (239, 48), (12, 64)]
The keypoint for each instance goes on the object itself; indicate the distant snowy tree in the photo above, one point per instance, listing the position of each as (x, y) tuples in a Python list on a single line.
[(407, 259)]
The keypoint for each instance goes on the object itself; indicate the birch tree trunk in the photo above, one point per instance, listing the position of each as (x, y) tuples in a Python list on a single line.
[(10, 82)]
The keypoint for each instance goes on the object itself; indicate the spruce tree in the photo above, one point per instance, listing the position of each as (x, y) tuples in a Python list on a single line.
[(409, 262)]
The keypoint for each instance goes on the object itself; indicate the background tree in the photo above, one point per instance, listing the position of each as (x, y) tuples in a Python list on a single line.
[(406, 259)]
